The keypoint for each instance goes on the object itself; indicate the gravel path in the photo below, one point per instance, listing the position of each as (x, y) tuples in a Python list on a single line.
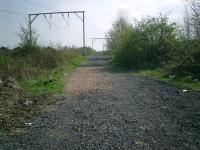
[(111, 111)]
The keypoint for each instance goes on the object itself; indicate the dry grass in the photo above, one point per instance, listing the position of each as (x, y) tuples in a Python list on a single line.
[(40, 62), (16, 105)]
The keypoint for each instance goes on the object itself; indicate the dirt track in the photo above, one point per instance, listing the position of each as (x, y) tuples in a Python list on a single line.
[(108, 110)]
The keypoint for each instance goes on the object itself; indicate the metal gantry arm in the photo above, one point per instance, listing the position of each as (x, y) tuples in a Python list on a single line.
[(35, 15)]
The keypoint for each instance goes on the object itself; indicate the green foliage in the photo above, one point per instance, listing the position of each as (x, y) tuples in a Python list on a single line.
[(53, 83), (186, 58), (157, 36), (38, 68), (178, 80), (40, 74), (40, 62), (149, 40), (28, 39), (154, 42)]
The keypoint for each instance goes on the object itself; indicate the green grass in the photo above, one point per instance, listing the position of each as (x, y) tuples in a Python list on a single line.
[(54, 82), (179, 81)]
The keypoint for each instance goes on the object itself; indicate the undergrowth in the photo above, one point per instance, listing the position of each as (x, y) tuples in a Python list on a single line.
[(184, 82), (52, 83), (30, 81)]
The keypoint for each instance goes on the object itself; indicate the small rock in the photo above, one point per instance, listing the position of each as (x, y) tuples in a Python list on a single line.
[(1, 83), (172, 76), (11, 83), (65, 74), (28, 123), (28, 102), (140, 142), (196, 80), (189, 77), (184, 91), (142, 128)]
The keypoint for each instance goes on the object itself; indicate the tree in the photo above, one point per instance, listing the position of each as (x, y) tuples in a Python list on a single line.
[(120, 41), (157, 35), (26, 42), (187, 24), (193, 17)]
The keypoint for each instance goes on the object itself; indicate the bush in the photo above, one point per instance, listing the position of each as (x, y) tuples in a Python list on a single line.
[(28, 40), (129, 54), (149, 41), (38, 63), (186, 58), (154, 42)]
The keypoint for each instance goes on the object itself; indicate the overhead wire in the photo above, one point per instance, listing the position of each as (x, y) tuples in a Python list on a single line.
[(11, 12), (10, 20), (59, 31), (67, 21), (66, 30), (13, 4), (40, 5), (48, 22), (61, 28), (51, 23), (44, 6)]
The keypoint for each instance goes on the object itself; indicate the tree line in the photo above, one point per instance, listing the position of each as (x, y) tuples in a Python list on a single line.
[(154, 42)]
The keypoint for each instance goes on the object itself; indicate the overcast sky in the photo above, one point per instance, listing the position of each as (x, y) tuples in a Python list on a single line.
[(100, 15)]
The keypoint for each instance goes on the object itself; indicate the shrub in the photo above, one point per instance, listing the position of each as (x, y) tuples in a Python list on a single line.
[(28, 41), (186, 58), (38, 63), (149, 41)]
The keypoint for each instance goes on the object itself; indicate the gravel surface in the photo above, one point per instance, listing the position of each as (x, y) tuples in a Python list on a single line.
[(119, 111)]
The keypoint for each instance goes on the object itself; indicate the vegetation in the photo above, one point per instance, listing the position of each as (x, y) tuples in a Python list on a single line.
[(158, 73), (156, 42), (28, 38), (30, 76), (38, 69), (52, 83)]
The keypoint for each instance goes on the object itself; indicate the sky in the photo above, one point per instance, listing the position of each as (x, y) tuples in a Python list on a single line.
[(67, 30)]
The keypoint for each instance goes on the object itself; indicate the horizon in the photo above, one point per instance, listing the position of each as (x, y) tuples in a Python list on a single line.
[(68, 31)]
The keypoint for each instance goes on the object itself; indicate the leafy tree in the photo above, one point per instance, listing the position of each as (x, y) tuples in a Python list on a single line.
[(192, 18), (149, 40)]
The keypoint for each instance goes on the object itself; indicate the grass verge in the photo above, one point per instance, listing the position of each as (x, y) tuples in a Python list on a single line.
[(19, 103), (54, 82), (160, 74)]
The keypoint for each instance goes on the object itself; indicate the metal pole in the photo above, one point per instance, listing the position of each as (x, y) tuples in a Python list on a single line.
[(30, 30), (84, 32), (92, 44), (50, 13), (60, 12)]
